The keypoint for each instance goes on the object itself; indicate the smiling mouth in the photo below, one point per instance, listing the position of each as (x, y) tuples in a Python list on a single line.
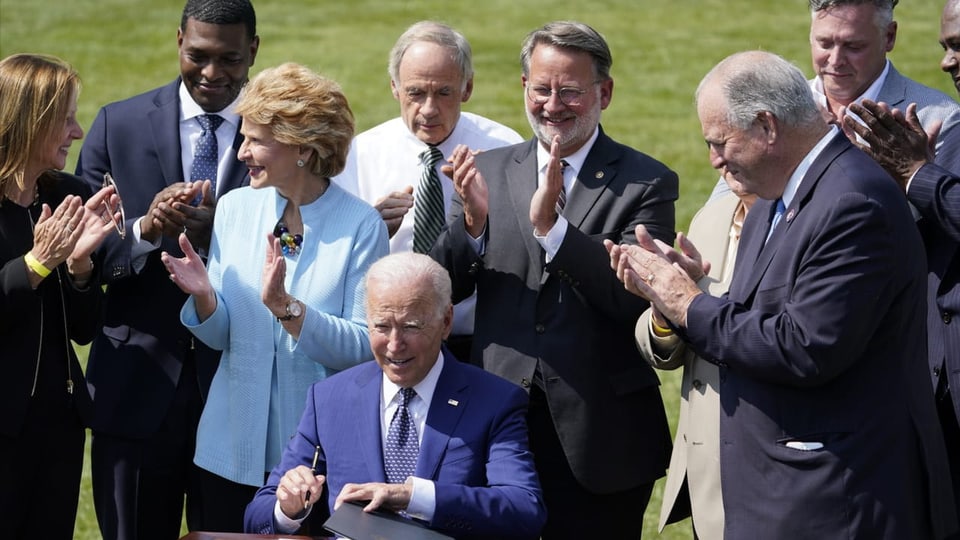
[(399, 362)]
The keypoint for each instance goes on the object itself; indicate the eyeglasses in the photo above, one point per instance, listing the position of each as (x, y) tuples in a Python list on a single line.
[(121, 226), (568, 95)]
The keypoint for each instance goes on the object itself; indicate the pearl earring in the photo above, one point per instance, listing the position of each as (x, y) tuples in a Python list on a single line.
[(300, 163)]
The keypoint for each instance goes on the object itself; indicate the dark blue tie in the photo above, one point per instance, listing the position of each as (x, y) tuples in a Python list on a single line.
[(402, 447), (428, 212), (205, 155), (777, 214)]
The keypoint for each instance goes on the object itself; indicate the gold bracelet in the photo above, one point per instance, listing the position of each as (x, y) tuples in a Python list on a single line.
[(659, 330), (35, 265)]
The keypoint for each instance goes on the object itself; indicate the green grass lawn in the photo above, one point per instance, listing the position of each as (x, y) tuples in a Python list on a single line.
[(660, 50)]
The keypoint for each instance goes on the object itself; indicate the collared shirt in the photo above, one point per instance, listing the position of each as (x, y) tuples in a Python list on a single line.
[(554, 238), (384, 159), (423, 500), (794, 183), (189, 133), (871, 93)]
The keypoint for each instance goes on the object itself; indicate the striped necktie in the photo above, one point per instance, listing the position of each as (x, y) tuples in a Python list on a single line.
[(428, 212), (562, 197)]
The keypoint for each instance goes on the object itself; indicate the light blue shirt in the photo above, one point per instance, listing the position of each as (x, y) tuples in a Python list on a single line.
[(260, 387)]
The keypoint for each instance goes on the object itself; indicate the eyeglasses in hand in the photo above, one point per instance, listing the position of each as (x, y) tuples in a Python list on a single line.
[(120, 225)]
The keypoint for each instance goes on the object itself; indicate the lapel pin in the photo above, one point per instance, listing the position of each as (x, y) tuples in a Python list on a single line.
[(599, 175), (453, 402), (790, 215)]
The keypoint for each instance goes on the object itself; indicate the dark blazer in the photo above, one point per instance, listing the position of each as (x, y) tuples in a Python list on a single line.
[(935, 193), (572, 315), (821, 339), (36, 326), (474, 448), (135, 362)]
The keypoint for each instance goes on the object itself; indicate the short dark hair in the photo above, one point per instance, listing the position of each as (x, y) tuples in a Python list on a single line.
[(221, 12)]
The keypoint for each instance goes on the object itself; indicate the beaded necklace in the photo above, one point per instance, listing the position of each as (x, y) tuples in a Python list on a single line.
[(289, 243)]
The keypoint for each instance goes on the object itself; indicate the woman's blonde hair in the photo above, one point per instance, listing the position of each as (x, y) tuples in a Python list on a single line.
[(35, 99), (302, 108)]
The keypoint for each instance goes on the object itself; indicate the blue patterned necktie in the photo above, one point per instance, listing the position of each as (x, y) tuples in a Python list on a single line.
[(428, 212), (402, 447), (205, 155), (777, 214)]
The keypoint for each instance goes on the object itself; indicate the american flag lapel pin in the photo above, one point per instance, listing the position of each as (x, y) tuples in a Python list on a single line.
[(453, 402)]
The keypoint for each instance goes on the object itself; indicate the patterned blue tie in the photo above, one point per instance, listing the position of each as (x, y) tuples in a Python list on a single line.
[(205, 155), (402, 448), (428, 212)]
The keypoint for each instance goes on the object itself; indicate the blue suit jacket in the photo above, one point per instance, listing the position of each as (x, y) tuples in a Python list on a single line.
[(935, 193), (135, 362), (474, 448), (821, 339)]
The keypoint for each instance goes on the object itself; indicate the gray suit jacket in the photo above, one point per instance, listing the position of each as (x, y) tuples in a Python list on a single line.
[(695, 463), (571, 316)]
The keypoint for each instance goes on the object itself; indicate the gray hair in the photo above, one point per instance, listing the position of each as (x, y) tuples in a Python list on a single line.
[(757, 81), (439, 34), (884, 8), (404, 269), (570, 35)]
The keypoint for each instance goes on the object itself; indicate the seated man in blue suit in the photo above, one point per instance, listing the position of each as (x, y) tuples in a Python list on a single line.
[(470, 472)]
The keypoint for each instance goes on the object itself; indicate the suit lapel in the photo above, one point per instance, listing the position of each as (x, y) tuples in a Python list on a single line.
[(236, 173), (894, 89), (759, 256), (599, 169), (164, 122), (450, 399), (520, 171), (368, 403)]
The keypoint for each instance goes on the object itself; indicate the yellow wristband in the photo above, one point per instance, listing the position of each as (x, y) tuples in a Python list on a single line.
[(35, 265), (659, 330)]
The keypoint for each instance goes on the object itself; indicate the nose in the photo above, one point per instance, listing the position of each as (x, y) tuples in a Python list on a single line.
[(243, 152), (429, 106), (210, 71), (949, 61), (77, 131), (716, 158), (553, 103), (395, 342)]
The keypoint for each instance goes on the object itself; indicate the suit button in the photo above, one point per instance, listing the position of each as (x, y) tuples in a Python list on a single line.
[(474, 268), (524, 382), (697, 384), (947, 317), (540, 328), (936, 371)]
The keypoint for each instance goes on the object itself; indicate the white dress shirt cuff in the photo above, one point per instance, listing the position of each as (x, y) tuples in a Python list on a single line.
[(423, 499), (140, 248), (285, 525), (479, 244), (553, 239)]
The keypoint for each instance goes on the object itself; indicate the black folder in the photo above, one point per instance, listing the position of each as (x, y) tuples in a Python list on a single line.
[(350, 521)]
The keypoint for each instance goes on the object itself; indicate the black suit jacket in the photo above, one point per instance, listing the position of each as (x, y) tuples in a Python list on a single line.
[(822, 339), (572, 316), (135, 363)]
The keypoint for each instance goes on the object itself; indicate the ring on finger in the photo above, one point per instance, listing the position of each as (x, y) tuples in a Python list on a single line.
[(649, 279)]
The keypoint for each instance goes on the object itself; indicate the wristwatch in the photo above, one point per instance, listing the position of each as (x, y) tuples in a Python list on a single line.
[(294, 310)]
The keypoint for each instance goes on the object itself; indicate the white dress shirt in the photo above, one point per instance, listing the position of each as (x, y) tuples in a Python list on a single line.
[(384, 159)]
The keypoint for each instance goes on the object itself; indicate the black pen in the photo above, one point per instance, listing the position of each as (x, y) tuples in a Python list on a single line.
[(313, 469)]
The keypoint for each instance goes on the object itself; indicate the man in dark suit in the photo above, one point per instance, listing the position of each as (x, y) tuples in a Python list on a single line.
[(550, 316), (828, 427), (146, 373), (931, 181), (471, 473)]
